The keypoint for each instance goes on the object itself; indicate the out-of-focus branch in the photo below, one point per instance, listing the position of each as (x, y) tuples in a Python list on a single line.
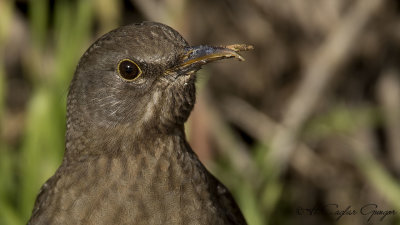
[(307, 20), (245, 116), (232, 148), (108, 13), (170, 12), (261, 127), (7, 13), (373, 171), (327, 59), (389, 97)]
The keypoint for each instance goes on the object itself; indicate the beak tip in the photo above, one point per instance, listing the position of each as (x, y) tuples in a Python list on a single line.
[(240, 58), (240, 47)]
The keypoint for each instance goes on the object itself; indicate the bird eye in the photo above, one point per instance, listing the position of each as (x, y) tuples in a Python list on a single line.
[(128, 70)]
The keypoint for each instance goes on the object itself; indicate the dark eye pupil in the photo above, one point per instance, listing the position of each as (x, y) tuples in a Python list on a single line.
[(128, 70)]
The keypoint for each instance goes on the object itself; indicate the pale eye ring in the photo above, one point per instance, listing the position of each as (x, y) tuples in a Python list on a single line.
[(128, 70)]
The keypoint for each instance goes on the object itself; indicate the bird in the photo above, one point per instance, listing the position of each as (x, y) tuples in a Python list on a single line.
[(127, 159)]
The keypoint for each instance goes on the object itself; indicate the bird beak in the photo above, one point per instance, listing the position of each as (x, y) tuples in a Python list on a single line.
[(197, 56)]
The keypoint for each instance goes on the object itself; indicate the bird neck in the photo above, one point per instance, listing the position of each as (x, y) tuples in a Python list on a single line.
[(83, 142)]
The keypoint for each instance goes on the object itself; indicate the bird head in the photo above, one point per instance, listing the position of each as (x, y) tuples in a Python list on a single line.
[(139, 77)]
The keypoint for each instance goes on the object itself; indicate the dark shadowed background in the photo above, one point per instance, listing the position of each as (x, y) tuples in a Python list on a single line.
[(305, 131)]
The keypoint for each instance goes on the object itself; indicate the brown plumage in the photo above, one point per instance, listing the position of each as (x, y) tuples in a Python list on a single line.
[(127, 160)]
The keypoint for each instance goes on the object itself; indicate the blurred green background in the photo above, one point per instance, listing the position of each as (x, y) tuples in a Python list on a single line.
[(311, 118)]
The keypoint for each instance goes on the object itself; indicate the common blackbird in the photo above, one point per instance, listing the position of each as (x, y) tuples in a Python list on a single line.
[(126, 158)]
